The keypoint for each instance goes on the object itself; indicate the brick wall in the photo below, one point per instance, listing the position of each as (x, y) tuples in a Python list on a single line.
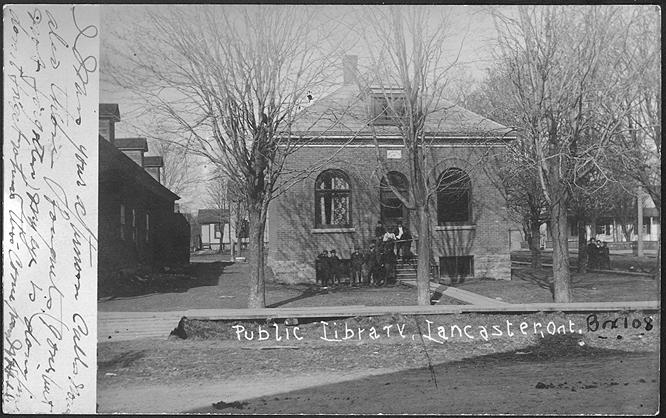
[(294, 241)]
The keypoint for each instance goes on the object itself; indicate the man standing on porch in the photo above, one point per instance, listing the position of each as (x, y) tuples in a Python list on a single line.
[(379, 231), (404, 241)]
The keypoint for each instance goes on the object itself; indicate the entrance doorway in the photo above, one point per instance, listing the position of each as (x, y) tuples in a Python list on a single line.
[(392, 209)]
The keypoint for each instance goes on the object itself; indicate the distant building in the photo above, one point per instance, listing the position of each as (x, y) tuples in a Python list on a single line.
[(214, 224), (137, 223), (217, 230), (611, 230)]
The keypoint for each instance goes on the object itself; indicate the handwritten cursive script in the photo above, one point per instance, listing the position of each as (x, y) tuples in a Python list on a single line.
[(50, 207)]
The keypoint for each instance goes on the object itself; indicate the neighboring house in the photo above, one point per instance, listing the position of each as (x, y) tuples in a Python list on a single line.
[(337, 207), (214, 224), (137, 223), (610, 230), (216, 229)]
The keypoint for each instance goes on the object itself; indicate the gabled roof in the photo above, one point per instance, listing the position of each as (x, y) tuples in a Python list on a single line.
[(212, 216), (131, 144), (109, 111), (153, 161), (345, 112), (114, 165)]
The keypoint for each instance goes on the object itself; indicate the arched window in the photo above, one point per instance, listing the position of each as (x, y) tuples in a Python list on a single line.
[(454, 197), (392, 209), (332, 200)]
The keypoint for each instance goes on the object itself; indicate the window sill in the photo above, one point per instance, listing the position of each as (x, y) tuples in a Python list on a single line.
[(332, 230), (455, 227)]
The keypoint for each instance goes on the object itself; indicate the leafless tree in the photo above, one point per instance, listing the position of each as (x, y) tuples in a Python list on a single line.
[(231, 81), (561, 62), (638, 150), (410, 66), (513, 172), (217, 198), (637, 153)]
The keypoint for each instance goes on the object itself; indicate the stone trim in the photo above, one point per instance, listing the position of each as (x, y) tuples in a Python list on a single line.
[(455, 227), (332, 230)]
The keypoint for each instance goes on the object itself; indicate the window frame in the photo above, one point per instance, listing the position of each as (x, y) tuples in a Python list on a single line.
[(464, 260), (319, 217), (147, 227), (123, 221), (385, 189), (380, 108), (467, 185), (647, 225), (134, 227)]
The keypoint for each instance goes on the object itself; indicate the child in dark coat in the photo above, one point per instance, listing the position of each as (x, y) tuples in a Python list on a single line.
[(356, 267), (322, 267), (335, 267)]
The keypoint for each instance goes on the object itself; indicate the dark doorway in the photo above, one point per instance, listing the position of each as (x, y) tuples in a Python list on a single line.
[(392, 209)]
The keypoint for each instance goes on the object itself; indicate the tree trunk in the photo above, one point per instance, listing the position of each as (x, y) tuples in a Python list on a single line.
[(257, 296), (582, 247), (534, 242), (561, 272), (232, 237), (423, 264)]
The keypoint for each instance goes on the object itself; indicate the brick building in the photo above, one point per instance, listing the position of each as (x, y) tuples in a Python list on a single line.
[(338, 206), (137, 223)]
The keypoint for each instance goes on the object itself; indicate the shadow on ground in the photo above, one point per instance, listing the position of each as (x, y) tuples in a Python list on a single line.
[(173, 281)]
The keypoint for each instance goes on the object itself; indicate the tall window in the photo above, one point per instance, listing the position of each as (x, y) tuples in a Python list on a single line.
[(122, 221), (332, 200), (604, 226), (392, 209), (134, 225), (454, 196), (147, 227)]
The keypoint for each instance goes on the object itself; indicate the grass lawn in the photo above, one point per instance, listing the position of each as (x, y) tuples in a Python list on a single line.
[(529, 286), (621, 262), (211, 284)]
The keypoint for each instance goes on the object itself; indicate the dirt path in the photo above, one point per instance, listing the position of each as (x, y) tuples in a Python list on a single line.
[(603, 371), (610, 384)]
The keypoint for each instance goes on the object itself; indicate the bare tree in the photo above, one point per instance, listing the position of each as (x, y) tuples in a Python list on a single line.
[(410, 66), (232, 80), (513, 172), (637, 153), (217, 198), (638, 150), (178, 174), (561, 62)]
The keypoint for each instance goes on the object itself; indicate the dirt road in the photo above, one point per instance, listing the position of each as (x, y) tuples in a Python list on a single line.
[(625, 383)]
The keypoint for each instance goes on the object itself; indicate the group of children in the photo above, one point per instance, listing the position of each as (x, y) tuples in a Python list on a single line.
[(374, 266)]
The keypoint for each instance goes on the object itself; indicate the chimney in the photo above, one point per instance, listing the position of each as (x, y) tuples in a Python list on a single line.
[(349, 69), (153, 165), (133, 148), (109, 114)]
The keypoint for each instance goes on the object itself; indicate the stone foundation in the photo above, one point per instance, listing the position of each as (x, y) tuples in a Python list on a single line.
[(490, 266), (291, 272)]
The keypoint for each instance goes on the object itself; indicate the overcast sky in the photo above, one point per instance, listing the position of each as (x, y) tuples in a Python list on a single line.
[(470, 27)]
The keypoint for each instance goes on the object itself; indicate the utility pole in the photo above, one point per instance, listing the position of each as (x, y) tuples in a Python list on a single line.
[(639, 233)]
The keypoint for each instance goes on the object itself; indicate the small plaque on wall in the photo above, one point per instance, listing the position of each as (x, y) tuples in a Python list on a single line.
[(394, 154)]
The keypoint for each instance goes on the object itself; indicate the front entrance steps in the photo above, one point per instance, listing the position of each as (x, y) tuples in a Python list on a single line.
[(406, 274)]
